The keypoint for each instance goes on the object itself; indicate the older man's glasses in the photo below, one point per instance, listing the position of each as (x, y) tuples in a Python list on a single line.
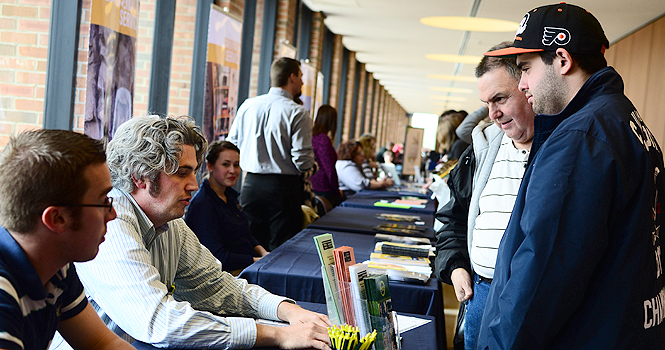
[(108, 203)]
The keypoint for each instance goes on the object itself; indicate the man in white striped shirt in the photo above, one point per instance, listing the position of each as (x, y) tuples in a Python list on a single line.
[(491, 171), (153, 281)]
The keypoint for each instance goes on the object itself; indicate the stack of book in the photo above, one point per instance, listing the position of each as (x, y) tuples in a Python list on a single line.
[(405, 259)]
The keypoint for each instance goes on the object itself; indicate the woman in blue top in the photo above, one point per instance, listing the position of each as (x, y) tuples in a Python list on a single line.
[(215, 215)]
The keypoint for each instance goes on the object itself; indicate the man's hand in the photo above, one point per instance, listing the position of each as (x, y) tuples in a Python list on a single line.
[(300, 336), (462, 284), (308, 330), (295, 315)]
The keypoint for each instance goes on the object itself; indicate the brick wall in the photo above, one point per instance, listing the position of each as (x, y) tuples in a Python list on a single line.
[(285, 24), (24, 26), (361, 102), (369, 103), (256, 49), (348, 104), (316, 40), (336, 71)]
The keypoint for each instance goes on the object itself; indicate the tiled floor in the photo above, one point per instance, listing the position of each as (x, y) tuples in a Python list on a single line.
[(451, 305)]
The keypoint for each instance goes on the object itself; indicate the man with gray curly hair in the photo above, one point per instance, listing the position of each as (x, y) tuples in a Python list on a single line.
[(152, 280)]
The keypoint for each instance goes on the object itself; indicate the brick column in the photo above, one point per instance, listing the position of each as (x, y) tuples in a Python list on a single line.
[(369, 104), (348, 105), (335, 71), (361, 101), (316, 41)]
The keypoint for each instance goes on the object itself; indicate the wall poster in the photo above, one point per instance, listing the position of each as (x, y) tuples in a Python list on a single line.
[(318, 99), (413, 144), (221, 90), (109, 92), (286, 50), (309, 83)]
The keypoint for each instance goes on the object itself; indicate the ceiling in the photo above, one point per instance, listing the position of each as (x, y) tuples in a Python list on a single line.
[(388, 37)]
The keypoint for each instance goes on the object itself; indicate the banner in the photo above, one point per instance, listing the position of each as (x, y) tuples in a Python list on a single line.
[(309, 83), (286, 50), (413, 144), (221, 91), (318, 100), (111, 67)]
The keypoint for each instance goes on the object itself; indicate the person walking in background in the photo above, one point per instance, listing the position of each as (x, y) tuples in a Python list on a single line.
[(215, 215), (325, 182), (274, 135), (580, 265)]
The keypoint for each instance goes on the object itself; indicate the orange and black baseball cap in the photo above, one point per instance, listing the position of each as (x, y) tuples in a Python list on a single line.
[(550, 27)]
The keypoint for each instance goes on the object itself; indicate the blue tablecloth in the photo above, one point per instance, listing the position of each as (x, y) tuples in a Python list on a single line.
[(419, 338), (363, 220), (393, 192), (367, 201), (294, 270)]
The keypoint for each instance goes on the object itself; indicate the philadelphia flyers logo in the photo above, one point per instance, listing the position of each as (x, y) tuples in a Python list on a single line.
[(559, 36), (522, 26)]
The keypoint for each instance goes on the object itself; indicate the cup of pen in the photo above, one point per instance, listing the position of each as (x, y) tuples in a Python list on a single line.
[(346, 337)]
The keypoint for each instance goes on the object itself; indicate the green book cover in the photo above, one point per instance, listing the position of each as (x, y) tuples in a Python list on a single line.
[(380, 308), (325, 246)]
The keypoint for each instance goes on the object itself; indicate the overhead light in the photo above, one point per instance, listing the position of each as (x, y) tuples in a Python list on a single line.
[(448, 98), (472, 24), (448, 105), (451, 89), (463, 78), (454, 58)]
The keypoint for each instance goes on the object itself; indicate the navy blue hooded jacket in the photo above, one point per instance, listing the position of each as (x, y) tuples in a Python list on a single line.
[(580, 264)]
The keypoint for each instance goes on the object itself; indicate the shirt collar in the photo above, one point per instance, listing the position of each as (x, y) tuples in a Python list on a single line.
[(147, 228), (18, 262), (281, 92)]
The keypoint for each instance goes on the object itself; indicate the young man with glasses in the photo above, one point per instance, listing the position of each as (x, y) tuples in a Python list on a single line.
[(54, 210)]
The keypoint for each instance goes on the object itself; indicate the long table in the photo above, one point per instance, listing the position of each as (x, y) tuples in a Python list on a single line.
[(363, 220), (294, 270), (419, 338), (367, 201)]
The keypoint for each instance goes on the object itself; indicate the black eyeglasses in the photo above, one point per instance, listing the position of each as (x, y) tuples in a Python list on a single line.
[(108, 204)]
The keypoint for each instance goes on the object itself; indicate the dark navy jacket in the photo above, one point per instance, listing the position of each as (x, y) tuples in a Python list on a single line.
[(580, 264), (222, 227)]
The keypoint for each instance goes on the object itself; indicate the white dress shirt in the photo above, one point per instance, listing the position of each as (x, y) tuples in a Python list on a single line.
[(159, 285), (274, 134)]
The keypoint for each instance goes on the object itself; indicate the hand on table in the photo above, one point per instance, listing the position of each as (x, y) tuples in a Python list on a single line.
[(307, 330)]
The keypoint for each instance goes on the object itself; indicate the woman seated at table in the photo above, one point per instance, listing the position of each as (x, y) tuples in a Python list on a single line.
[(215, 215), (325, 182), (349, 170)]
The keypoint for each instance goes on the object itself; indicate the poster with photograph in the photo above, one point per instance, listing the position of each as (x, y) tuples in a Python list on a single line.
[(413, 144), (309, 84), (221, 90), (109, 92)]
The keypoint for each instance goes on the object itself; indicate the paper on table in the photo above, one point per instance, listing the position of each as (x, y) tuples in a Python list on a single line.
[(406, 323)]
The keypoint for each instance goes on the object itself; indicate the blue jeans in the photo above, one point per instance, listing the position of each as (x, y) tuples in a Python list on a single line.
[(474, 312)]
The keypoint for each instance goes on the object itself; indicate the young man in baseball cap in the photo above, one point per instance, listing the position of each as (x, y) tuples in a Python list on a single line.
[(580, 265)]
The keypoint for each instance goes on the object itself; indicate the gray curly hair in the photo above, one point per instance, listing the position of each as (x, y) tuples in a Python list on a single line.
[(143, 147)]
